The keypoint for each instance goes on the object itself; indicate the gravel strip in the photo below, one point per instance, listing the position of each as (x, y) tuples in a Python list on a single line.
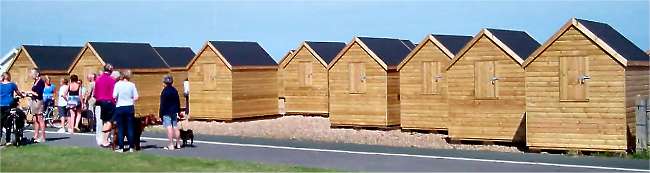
[(318, 129)]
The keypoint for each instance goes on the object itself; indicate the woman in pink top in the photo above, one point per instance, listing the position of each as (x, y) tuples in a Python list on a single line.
[(103, 94)]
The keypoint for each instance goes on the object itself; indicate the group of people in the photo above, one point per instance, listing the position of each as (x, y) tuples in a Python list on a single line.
[(110, 94)]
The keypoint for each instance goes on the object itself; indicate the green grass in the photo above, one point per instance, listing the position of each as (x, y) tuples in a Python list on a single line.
[(40, 158), (642, 155)]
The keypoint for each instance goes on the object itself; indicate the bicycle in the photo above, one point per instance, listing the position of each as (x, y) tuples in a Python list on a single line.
[(48, 116), (16, 123)]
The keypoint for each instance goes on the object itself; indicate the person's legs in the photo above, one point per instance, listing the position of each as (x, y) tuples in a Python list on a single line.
[(121, 126), (77, 118), (176, 132), (170, 133), (71, 120), (98, 125), (4, 113), (63, 112), (41, 123), (130, 121), (108, 109)]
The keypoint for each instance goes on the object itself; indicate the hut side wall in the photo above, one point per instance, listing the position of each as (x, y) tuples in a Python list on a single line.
[(365, 109), (420, 110), (598, 123), (210, 99), (393, 100), (499, 118), (179, 76), (637, 80), (254, 93), (149, 88), (301, 98)]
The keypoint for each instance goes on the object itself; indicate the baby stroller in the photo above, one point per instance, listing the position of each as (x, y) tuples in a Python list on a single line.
[(15, 123)]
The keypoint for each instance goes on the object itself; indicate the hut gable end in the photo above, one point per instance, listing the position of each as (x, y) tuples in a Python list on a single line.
[(602, 35)]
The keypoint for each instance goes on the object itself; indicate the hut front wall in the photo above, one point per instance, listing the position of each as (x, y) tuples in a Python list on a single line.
[(88, 63), (305, 93), (421, 108), (20, 74), (498, 118), (210, 88), (637, 80), (596, 123), (254, 93), (367, 108)]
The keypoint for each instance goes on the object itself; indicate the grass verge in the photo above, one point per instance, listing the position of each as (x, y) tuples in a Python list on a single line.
[(44, 158), (642, 155)]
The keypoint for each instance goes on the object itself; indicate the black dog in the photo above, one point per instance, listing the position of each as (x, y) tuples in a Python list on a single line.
[(187, 135)]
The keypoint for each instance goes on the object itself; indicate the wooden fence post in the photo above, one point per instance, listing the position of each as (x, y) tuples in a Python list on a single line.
[(641, 123)]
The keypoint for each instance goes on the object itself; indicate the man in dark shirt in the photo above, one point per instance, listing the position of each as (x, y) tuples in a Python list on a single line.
[(36, 105), (170, 106)]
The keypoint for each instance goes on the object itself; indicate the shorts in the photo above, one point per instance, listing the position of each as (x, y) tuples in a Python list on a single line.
[(74, 102), (48, 102), (63, 111), (36, 106), (107, 109), (170, 121)]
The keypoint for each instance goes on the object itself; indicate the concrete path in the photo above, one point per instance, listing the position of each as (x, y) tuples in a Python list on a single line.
[(355, 157)]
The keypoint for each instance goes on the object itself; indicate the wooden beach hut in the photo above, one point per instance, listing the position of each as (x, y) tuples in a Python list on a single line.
[(423, 84), (581, 86), (364, 82), (486, 87), (147, 66), (177, 58), (52, 61), (232, 80), (304, 76)]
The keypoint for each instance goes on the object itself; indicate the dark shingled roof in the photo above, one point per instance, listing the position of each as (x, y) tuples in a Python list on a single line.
[(615, 40), (55, 58), (409, 44), (129, 55), (176, 56), (243, 53), (389, 50), (326, 50), (518, 41), (453, 43)]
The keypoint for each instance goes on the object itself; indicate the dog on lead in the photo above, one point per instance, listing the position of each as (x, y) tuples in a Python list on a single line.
[(141, 123), (185, 133)]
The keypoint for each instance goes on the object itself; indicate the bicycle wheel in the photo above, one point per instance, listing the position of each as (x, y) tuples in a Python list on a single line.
[(49, 117)]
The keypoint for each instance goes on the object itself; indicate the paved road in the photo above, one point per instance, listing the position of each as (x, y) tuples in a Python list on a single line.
[(355, 157)]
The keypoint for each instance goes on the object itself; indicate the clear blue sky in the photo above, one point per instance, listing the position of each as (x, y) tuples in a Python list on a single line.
[(281, 25)]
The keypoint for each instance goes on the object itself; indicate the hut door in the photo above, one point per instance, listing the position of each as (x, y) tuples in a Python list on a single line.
[(357, 78), (209, 76), (430, 77), (573, 78), (305, 74), (485, 80)]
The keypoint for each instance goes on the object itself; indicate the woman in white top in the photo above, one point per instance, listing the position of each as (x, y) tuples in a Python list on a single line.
[(186, 93), (61, 103), (126, 94)]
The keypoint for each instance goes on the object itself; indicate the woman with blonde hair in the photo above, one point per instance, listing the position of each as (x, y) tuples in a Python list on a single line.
[(126, 95)]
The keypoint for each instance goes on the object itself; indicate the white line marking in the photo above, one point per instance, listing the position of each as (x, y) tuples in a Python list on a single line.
[(386, 154)]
